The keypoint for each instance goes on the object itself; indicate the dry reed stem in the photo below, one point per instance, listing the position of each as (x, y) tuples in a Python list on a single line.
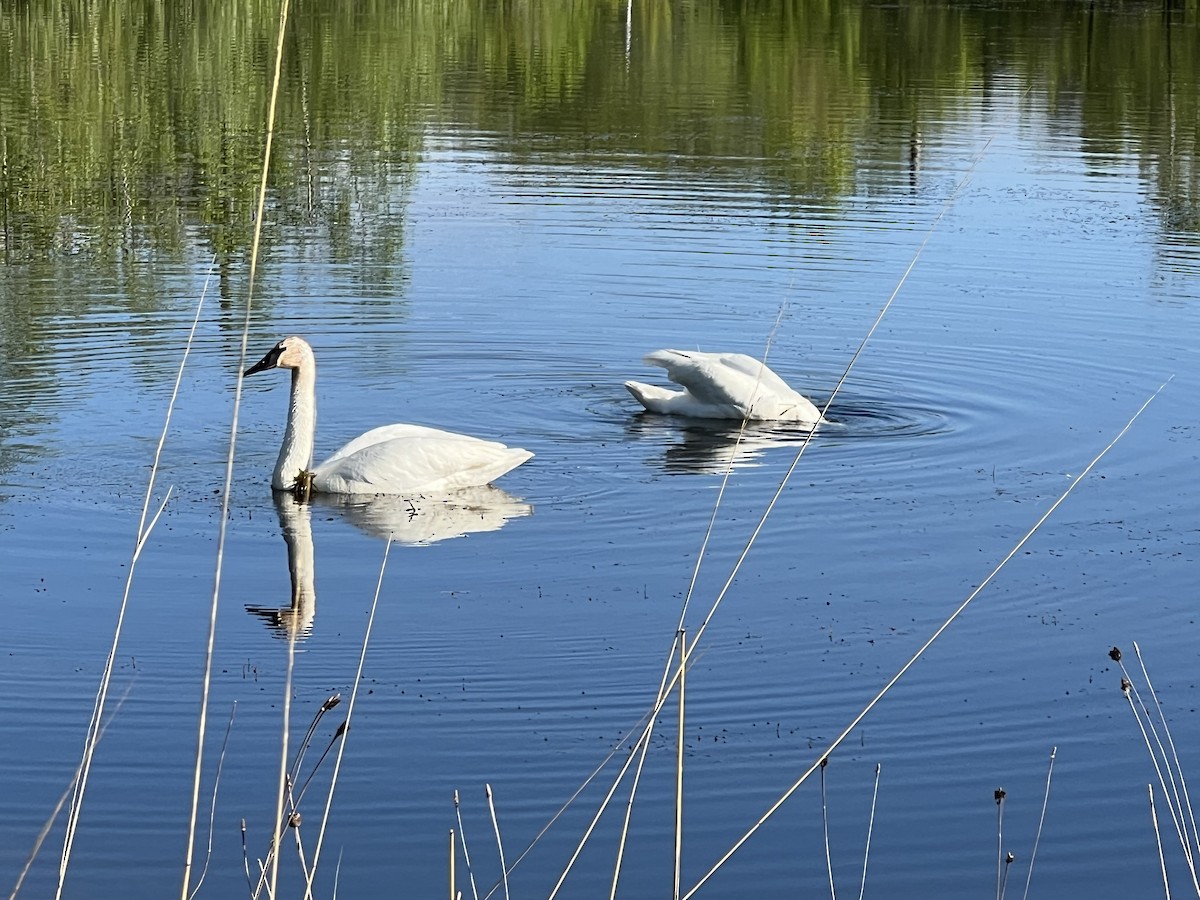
[(870, 829), (1162, 779), (312, 774), (212, 809), (246, 859), (1177, 806), (487, 789), (452, 884), (1146, 721), (637, 777), (1130, 692), (677, 883), (62, 801), (1000, 795), (1008, 861), (1170, 742), (1041, 821), (462, 836), (294, 825), (292, 774), (337, 765), (226, 490), (928, 643), (284, 780), (143, 532), (825, 828), (1162, 860)]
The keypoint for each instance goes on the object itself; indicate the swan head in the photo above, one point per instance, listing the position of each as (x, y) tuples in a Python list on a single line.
[(290, 353)]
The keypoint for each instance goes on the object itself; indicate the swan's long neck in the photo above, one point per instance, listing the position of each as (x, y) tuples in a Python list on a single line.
[(295, 456)]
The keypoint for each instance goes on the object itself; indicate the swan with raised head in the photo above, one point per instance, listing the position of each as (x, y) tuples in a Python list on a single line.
[(392, 459), (723, 386)]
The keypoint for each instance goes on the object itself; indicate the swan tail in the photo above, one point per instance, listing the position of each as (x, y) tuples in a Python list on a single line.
[(655, 399)]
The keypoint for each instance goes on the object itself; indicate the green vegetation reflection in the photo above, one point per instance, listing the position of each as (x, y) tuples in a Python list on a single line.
[(137, 126)]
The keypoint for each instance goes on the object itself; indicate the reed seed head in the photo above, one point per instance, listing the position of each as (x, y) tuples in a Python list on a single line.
[(331, 702), (1000, 795), (294, 819), (1126, 685), (1115, 654), (1008, 860)]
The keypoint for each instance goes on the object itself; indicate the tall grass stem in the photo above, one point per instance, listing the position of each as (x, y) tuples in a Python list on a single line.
[(227, 488), (462, 837), (1162, 779), (1130, 693), (1137, 651), (487, 789), (999, 842), (212, 807), (1037, 839), (337, 765), (285, 731), (825, 829), (677, 884), (1162, 860), (870, 829)]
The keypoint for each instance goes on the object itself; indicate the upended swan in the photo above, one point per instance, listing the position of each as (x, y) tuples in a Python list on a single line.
[(392, 459), (722, 386)]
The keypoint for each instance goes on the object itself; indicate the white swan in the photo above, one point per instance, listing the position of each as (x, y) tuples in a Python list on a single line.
[(393, 459), (723, 386)]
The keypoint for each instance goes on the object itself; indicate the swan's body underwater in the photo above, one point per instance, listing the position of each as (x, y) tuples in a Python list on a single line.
[(393, 459), (723, 386)]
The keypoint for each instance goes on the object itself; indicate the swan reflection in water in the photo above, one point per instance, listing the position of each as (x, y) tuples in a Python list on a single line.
[(704, 447), (416, 521)]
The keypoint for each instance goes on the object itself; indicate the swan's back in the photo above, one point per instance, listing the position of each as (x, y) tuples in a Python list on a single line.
[(397, 459), (722, 386)]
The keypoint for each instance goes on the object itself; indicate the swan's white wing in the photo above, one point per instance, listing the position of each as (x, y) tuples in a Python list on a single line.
[(709, 377), (399, 459), (750, 367)]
